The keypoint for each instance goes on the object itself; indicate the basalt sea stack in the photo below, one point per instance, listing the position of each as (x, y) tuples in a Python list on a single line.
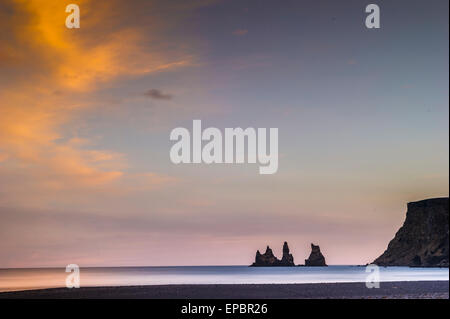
[(315, 258), (287, 259), (422, 241), (268, 259)]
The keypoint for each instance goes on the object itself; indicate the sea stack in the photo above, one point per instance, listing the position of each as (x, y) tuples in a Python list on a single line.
[(423, 239), (268, 259), (315, 258), (287, 259)]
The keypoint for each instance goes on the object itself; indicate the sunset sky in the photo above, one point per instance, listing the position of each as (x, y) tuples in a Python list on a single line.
[(85, 118)]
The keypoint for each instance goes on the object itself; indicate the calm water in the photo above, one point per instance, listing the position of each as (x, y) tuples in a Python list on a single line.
[(21, 279)]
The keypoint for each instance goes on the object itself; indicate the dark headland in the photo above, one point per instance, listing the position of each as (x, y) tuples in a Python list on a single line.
[(423, 239)]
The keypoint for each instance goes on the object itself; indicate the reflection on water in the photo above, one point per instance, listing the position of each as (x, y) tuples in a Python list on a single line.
[(21, 279)]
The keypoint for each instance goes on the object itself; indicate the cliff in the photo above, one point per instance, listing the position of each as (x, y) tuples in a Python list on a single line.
[(315, 258), (268, 259), (423, 239)]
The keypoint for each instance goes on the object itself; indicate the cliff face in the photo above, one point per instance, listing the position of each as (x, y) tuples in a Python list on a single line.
[(315, 258), (268, 258), (423, 240)]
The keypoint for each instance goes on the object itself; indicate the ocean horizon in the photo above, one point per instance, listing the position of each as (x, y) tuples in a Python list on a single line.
[(16, 279)]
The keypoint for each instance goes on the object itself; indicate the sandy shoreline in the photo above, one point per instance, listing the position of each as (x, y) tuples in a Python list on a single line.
[(407, 289)]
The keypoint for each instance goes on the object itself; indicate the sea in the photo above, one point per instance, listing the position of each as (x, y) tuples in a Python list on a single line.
[(40, 278)]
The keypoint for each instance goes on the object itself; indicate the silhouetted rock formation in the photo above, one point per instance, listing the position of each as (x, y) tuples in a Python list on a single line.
[(422, 241), (268, 259), (287, 259), (315, 258)]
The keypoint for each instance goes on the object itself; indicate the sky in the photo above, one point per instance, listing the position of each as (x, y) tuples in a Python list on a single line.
[(86, 114)]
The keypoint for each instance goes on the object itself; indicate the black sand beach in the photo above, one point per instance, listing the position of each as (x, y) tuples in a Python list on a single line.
[(392, 290)]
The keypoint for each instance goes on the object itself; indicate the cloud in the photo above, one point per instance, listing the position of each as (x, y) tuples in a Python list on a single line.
[(240, 32), (107, 45), (158, 95), (41, 153)]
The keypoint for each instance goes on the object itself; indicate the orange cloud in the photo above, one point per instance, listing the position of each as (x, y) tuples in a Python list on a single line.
[(81, 59), (41, 57)]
